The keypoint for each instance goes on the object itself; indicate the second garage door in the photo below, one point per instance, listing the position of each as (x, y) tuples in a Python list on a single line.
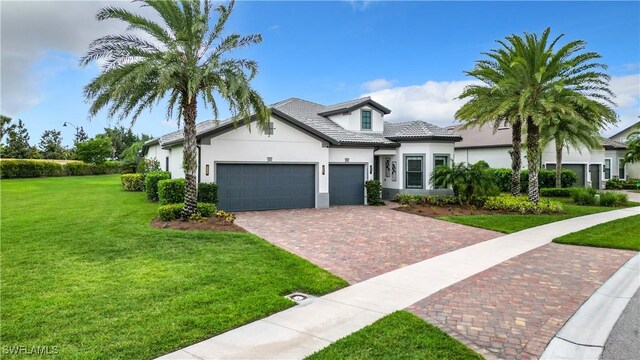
[(243, 187), (346, 184)]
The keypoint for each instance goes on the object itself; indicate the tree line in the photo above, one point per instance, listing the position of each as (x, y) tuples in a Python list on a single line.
[(116, 143)]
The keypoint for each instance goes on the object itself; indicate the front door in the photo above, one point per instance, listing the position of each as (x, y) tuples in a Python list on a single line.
[(595, 176)]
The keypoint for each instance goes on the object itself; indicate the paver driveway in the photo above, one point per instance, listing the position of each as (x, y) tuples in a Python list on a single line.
[(360, 242), (513, 310)]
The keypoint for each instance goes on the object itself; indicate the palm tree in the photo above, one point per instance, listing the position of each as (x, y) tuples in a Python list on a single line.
[(543, 83), (492, 103), (632, 155), (181, 59), (576, 132), (465, 180)]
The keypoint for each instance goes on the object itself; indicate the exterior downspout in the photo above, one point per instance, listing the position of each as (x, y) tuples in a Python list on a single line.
[(199, 159)]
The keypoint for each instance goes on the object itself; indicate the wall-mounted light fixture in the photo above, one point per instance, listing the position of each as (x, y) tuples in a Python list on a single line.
[(370, 169), (346, 160), (206, 170), (322, 169)]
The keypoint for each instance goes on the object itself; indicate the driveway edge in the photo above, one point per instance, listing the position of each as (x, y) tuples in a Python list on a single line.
[(586, 332)]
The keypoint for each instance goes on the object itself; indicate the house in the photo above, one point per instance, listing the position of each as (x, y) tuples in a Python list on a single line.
[(311, 155), (623, 136), (593, 167)]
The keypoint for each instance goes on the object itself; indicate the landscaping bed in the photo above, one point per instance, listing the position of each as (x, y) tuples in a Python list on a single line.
[(446, 210), (210, 224)]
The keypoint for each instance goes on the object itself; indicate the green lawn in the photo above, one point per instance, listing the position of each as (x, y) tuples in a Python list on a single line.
[(510, 223), (84, 272), (618, 234), (400, 335)]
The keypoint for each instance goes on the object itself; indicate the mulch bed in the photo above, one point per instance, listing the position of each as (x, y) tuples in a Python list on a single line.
[(446, 210), (211, 224)]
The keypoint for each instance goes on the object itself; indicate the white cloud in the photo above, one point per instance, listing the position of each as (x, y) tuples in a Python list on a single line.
[(377, 84), (171, 124), (433, 101), (30, 29), (359, 5)]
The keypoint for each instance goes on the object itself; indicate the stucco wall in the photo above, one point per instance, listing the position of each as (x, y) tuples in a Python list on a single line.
[(351, 121), (497, 157)]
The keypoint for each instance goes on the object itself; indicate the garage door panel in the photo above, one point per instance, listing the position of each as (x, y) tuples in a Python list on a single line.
[(245, 187), (346, 184)]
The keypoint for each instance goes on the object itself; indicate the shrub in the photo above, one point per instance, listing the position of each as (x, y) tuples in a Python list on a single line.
[(208, 193), (613, 184), (583, 196), (171, 191), (174, 211), (407, 199), (148, 165), (374, 192), (521, 205), (555, 192), (612, 199), (226, 216), (502, 178), (30, 168), (439, 200), (466, 180), (132, 182), (151, 183)]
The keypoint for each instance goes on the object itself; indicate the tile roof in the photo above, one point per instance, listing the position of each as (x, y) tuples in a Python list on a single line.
[(612, 144), (309, 113)]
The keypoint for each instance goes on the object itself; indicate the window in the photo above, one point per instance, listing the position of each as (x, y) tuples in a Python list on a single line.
[(365, 121), (621, 173), (270, 128), (607, 169), (166, 164), (414, 172), (440, 160)]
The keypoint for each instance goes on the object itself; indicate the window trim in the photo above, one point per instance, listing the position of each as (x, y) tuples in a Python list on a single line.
[(624, 169), (604, 169), (448, 156), (406, 170), (362, 111)]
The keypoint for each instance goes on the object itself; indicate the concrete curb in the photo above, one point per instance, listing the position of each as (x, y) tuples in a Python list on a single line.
[(587, 331)]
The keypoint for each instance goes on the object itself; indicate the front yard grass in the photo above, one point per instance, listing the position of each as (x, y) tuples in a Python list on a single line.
[(618, 234), (510, 223), (85, 274), (400, 335)]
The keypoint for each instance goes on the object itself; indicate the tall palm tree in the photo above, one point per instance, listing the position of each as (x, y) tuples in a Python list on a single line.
[(182, 59), (492, 103), (570, 133), (544, 83), (632, 155)]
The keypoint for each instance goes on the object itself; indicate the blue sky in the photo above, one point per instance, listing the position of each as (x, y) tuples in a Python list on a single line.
[(410, 56)]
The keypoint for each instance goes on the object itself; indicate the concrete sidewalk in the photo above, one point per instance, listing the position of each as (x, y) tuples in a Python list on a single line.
[(307, 328)]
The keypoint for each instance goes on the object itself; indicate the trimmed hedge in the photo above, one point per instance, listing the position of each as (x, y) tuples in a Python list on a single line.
[(617, 184), (546, 179), (521, 205), (171, 191), (132, 182), (374, 192), (174, 211), (30, 168), (555, 192), (437, 200), (151, 183), (208, 193)]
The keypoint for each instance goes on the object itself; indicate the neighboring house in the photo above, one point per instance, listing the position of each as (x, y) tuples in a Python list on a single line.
[(633, 170), (312, 155), (593, 167)]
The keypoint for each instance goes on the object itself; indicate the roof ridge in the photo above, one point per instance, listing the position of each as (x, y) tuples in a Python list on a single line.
[(350, 101)]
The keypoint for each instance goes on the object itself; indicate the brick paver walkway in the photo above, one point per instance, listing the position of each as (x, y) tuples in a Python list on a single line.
[(513, 310), (360, 242)]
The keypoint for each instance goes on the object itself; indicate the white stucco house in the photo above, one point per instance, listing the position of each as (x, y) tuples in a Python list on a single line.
[(593, 167), (624, 136), (312, 155)]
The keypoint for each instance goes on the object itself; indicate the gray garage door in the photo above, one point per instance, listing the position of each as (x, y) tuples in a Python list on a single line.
[(346, 184), (244, 187), (577, 168)]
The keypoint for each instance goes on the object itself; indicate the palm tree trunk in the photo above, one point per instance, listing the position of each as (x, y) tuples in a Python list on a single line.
[(189, 159), (516, 157), (558, 163), (533, 157)]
